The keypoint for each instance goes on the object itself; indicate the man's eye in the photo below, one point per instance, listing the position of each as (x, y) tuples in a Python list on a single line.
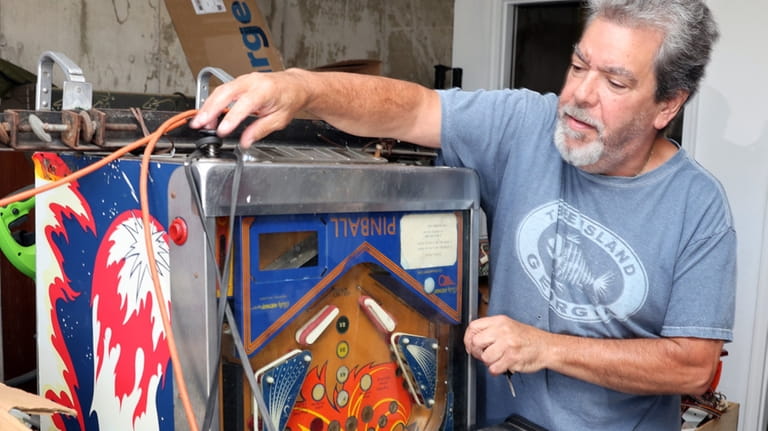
[(617, 85), (576, 67)]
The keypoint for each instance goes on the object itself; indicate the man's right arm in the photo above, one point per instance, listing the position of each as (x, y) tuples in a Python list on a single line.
[(358, 104)]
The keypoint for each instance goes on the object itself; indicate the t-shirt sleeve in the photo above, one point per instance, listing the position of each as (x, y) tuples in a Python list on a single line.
[(702, 304), (480, 129), (493, 131)]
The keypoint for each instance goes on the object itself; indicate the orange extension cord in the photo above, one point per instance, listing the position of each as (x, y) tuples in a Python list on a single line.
[(149, 142)]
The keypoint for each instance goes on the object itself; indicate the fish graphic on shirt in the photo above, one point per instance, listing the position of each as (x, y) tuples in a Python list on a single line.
[(572, 269)]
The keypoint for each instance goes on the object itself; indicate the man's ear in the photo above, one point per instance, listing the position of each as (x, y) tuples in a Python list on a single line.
[(669, 109)]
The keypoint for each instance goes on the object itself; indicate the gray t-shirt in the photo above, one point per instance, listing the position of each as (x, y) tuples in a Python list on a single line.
[(642, 257)]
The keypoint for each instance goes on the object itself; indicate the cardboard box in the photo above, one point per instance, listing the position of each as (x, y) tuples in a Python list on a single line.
[(728, 421), (228, 34), (12, 398)]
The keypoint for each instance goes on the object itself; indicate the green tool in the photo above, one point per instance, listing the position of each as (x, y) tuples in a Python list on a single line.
[(18, 247)]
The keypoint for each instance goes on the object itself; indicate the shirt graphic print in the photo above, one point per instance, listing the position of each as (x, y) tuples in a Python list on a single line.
[(597, 276)]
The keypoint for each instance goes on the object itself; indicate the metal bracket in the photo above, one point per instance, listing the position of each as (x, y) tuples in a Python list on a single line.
[(76, 93), (203, 81)]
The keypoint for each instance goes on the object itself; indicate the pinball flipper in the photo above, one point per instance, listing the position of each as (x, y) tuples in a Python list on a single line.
[(311, 331), (381, 319)]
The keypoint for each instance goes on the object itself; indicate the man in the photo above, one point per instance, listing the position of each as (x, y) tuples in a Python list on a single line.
[(613, 252)]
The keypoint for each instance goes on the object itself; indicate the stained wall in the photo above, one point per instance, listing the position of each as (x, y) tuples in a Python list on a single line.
[(131, 45)]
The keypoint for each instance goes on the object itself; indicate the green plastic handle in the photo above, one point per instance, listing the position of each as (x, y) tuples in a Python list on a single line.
[(22, 257)]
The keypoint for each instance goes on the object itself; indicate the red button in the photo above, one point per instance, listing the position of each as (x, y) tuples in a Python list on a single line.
[(178, 231)]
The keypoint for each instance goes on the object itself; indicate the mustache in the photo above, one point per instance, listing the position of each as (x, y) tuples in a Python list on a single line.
[(582, 115)]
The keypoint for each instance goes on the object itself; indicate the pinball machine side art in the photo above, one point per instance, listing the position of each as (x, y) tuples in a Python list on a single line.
[(101, 346)]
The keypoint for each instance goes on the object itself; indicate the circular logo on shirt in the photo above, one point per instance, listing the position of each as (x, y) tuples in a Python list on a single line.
[(586, 272)]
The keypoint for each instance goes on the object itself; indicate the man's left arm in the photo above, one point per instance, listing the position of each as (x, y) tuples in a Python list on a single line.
[(678, 365)]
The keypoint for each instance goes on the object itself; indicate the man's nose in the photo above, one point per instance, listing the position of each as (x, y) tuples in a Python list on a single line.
[(585, 93)]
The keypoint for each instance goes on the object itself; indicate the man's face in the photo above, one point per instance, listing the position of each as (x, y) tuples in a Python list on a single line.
[(607, 115)]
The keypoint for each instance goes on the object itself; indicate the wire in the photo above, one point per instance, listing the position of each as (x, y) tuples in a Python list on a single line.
[(170, 124), (149, 142), (195, 192), (224, 310), (223, 279), (74, 175)]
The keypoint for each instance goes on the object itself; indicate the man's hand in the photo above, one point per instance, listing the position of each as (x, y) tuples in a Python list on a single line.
[(503, 344), (274, 97), (361, 105)]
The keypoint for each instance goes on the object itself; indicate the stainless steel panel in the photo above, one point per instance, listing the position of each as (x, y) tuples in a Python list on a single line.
[(313, 188)]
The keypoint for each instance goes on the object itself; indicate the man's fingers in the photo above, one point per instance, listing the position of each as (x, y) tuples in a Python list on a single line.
[(204, 120), (470, 336), (257, 93), (473, 337), (208, 114), (218, 101), (481, 323), (262, 127), (479, 340)]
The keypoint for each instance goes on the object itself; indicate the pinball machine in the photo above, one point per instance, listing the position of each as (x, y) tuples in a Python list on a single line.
[(316, 281)]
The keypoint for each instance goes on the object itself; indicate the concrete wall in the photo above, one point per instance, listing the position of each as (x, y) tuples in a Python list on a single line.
[(121, 45), (408, 36), (131, 45)]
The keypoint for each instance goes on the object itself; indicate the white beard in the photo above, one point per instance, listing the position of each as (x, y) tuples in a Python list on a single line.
[(583, 155)]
